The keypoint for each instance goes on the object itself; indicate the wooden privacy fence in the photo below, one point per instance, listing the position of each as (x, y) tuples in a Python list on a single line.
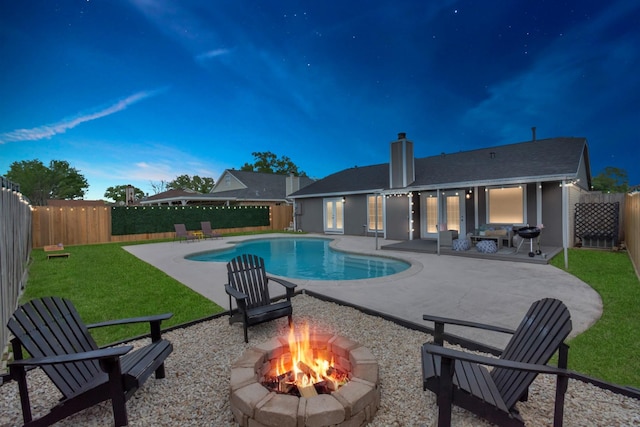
[(82, 225), (632, 228), (15, 248)]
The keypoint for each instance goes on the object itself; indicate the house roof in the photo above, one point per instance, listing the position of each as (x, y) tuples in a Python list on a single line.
[(540, 160), (353, 180), (246, 186), (172, 195), (255, 186)]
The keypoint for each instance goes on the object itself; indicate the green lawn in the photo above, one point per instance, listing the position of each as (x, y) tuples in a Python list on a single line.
[(106, 282), (610, 349)]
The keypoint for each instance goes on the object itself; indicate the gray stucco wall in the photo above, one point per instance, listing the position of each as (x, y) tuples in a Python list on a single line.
[(309, 215), (355, 214), (397, 224), (532, 206), (551, 214)]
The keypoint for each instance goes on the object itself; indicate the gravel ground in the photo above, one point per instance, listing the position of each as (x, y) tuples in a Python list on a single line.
[(196, 390)]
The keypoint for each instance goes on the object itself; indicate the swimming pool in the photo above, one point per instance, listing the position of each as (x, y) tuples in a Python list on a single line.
[(308, 258)]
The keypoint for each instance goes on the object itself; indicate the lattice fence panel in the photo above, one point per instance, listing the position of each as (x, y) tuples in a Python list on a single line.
[(596, 224)]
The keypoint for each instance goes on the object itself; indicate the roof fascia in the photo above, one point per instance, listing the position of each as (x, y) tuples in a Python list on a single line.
[(488, 183), (338, 193)]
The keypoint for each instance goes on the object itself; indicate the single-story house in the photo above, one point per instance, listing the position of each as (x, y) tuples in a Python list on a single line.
[(532, 183), (236, 188)]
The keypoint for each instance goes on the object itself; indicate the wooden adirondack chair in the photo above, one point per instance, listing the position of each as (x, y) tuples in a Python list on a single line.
[(248, 285), (459, 377), (51, 330)]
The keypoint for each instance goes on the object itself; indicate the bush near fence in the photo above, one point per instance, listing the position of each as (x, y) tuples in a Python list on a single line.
[(160, 219), (81, 225)]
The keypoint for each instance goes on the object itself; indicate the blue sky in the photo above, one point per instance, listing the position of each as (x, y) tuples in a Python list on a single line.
[(139, 91)]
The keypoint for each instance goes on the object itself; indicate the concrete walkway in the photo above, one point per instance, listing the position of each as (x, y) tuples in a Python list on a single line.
[(486, 291)]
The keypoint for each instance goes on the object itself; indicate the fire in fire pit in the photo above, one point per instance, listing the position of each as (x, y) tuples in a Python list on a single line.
[(305, 371), (315, 379)]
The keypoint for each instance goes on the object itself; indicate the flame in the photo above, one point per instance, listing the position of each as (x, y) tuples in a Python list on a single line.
[(306, 369)]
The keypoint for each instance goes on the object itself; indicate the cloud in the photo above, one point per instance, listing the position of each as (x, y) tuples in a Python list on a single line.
[(211, 54), (50, 130)]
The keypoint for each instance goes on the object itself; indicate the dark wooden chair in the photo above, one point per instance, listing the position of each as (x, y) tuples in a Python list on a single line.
[(248, 285), (51, 331), (460, 378), (207, 232), (182, 234)]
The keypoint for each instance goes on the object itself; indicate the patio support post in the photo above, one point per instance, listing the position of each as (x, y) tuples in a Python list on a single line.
[(476, 221), (539, 202), (439, 220), (376, 220), (565, 224)]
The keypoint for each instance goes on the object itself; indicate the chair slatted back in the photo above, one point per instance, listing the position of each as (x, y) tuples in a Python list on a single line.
[(247, 274), (181, 230), (51, 326), (206, 227), (541, 332)]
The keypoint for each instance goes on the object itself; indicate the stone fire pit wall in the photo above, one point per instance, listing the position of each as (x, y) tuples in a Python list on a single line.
[(352, 405)]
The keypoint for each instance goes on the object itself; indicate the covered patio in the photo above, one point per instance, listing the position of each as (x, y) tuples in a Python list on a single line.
[(430, 246)]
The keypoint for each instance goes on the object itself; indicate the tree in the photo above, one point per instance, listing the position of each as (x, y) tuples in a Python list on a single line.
[(119, 193), (267, 162), (40, 183), (611, 180), (185, 182), (158, 187)]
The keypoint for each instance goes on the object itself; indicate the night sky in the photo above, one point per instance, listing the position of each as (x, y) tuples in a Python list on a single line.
[(140, 91)]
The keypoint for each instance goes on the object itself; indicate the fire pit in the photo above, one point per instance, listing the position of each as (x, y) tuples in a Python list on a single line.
[(305, 380)]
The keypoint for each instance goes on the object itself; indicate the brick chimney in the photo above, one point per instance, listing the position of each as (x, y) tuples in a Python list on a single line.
[(402, 164)]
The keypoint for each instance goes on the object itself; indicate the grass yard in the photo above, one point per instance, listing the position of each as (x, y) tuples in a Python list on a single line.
[(106, 282), (610, 349)]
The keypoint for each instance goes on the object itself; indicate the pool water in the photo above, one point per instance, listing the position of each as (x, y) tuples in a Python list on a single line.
[(308, 258)]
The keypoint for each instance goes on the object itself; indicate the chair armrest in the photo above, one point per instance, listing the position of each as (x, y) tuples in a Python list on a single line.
[(458, 322), (235, 293), (450, 353), (105, 353), (283, 282), (153, 318)]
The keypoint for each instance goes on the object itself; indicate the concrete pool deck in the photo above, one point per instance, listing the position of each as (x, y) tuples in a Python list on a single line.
[(481, 290)]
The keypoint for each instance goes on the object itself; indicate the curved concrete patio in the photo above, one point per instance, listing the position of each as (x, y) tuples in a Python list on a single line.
[(486, 291)]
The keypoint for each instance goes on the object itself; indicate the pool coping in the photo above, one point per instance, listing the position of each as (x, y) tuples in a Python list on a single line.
[(485, 291)]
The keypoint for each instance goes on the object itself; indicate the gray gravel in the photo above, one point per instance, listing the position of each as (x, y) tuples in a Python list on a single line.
[(195, 392)]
